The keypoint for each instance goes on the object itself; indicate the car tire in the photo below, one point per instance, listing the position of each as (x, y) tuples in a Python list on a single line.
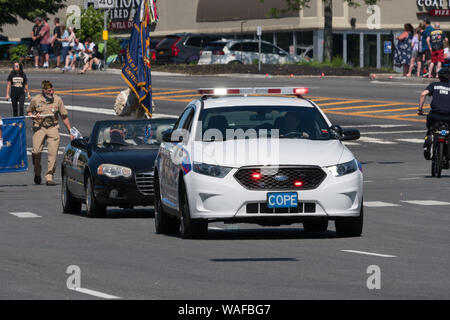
[(164, 224), (350, 227), (316, 225), (69, 203), (93, 208), (190, 228)]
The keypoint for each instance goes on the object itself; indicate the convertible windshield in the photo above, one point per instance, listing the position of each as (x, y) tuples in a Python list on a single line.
[(133, 134), (286, 122)]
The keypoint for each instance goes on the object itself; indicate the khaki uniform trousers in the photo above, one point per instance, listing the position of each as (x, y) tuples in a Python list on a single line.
[(50, 134)]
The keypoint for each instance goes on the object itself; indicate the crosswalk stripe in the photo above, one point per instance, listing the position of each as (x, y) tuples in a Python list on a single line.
[(25, 215), (376, 140), (379, 204), (428, 202), (411, 140)]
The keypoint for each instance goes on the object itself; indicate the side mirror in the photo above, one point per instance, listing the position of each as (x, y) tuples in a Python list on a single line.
[(336, 131), (80, 144), (171, 136), (350, 134)]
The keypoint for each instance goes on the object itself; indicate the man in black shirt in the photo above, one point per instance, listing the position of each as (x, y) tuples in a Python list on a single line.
[(440, 105), (36, 40), (56, 44)]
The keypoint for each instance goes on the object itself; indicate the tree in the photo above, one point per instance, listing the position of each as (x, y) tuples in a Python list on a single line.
[(10, 11), (91, 24), (296, 5)]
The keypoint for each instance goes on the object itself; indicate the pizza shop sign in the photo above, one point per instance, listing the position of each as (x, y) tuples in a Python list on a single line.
[(430, 3)]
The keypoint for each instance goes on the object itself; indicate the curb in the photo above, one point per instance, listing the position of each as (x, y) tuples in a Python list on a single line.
[(397, 78)]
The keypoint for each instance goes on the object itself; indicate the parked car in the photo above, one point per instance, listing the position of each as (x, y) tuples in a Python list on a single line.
[(5, 46), (113, 167), (306, 52), (183, 48), (244, 52)]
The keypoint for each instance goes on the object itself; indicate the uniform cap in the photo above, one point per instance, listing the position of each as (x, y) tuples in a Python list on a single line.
[(46, 85)]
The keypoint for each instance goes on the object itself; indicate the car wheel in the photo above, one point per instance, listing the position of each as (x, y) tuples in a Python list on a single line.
[(69, 203), (190, 228), (350, 227), (164, 224), (235, 62), (93, 208), (317, 225)]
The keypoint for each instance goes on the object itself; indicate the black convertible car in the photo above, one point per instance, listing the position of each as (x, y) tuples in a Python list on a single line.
[(113, 167)]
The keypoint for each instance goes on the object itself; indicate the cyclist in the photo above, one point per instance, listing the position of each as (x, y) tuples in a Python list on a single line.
[(440, 105)]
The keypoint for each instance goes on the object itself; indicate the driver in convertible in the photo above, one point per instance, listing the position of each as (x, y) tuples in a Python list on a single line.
[(440, 106), (291, 126)]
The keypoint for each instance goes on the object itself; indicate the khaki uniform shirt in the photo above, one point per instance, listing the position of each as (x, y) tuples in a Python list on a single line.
[(49, 111)]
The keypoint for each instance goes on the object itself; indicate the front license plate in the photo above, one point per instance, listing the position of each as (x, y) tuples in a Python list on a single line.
[(282, 200)]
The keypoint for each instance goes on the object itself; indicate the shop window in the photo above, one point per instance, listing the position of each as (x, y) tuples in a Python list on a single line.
[(284, 40), (370, 50), (353, 49)]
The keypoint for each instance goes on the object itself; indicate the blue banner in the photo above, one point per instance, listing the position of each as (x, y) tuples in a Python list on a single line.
[(137, 67), (13, 156)]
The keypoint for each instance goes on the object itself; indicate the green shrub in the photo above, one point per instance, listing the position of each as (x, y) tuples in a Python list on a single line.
[(17, 53)]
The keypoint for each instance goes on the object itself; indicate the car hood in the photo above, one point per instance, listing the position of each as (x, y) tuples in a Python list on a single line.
[(238, 153), (136, 159)]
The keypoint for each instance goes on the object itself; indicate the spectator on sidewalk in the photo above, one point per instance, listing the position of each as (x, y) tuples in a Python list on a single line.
[(65, 43), (436, 41), (94, 61), (415, 44), (36, 40), (74, 54), (405, 48), (426, 49), (45, 41), (17, 85), (56, 42)]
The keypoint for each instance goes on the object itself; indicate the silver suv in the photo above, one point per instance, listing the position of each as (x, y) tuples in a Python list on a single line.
[(244, 52)]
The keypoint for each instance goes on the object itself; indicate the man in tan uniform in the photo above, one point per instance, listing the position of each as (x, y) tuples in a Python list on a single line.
[(45, 108)]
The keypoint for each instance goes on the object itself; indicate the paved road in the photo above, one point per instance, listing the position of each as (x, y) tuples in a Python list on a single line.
[(406, 228)]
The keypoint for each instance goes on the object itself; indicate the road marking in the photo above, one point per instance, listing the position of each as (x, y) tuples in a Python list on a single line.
[(414, 178), (370, 253), (389, 132), (375, 140), (25, 215), (347, 143), (368, 181), (379, 204), (95, 293), (410, 140), (377, 126), (428, 202)]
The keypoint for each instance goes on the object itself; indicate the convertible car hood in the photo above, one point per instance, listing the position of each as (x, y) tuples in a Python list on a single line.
[(136, 159), (240, 153)]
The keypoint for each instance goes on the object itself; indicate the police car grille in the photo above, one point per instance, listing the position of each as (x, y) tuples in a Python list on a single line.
[(144, 183), (282, 178)]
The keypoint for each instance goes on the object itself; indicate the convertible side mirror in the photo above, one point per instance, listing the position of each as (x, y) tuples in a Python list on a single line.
[(345, 134), (80, 144), (172, 137), (350, 134)]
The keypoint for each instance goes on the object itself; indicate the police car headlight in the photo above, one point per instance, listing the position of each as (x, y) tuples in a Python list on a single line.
[(114, 171), (344, 168), (211, 170)]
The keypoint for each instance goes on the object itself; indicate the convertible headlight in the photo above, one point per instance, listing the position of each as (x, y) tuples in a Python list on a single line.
[(344, 168), (114, 171), (211, 170)]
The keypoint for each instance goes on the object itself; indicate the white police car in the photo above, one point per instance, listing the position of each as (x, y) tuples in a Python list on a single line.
[(270, 160)]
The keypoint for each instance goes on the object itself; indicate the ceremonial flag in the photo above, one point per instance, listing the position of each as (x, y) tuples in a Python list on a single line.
[(137, 67), (13, 156)]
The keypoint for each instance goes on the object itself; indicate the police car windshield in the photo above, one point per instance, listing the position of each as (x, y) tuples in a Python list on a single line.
[(130, 135), (245, 122)]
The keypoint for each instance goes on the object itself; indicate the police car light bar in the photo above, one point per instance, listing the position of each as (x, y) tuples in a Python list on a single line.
[(244, 91)]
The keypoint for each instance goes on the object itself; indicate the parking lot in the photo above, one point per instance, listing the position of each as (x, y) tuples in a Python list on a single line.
[(405, 234)]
